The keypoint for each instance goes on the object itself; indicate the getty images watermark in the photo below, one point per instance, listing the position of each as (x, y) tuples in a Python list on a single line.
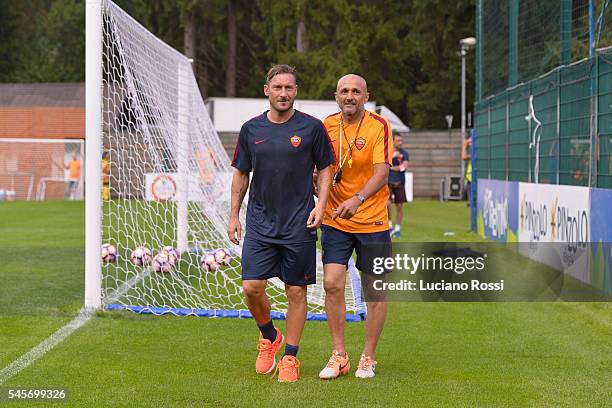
[(410, 264), (482, 272)]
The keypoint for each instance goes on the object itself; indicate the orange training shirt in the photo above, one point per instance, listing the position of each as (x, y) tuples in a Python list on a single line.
[(373, 145), (74, 170)]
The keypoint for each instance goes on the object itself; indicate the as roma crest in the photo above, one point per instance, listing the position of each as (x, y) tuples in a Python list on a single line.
[(359, 143), (296, 141)]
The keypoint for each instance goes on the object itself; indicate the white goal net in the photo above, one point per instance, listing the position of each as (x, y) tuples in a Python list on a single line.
[(168, 184)]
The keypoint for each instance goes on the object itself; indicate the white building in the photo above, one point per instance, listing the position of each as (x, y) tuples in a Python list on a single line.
[(228, 114)]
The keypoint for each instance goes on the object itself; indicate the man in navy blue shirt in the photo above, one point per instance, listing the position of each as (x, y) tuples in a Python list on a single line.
[(397, 182), (281, 147)]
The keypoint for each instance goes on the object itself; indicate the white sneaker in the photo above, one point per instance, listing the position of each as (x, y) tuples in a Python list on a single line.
[(366, 367), (336, 366)]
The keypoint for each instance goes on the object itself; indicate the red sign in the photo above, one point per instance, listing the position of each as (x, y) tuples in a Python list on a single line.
[(163, 187)]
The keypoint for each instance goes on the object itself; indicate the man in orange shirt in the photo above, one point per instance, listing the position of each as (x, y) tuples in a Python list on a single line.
[(74, 174), (355, 217)]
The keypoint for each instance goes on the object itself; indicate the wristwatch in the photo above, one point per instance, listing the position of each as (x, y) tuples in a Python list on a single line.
[(360, 197)]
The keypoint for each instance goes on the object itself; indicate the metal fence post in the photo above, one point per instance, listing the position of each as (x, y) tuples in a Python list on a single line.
[(489, 136), (558, 123), (594, 123), (507, 132)]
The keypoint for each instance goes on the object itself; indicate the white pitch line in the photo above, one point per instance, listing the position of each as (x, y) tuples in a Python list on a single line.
[(43, 347), (62, 333), (130, 283)]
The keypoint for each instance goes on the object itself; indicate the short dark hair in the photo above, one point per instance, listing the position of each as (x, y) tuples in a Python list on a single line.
[(281, 69)]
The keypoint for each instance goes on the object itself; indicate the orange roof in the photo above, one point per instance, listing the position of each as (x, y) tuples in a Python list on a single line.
[(42, 122)]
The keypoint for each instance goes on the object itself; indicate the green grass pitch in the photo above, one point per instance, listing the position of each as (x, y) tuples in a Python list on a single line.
[(430, 354)]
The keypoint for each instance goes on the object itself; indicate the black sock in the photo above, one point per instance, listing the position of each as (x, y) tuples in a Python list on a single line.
[(268, 331), (291, 350)]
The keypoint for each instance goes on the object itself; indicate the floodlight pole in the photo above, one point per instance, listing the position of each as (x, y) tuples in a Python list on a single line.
[(93, 154), (465, 44), (463, 52)]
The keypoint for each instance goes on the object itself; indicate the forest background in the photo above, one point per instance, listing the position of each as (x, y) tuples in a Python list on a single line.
[(406, 49)]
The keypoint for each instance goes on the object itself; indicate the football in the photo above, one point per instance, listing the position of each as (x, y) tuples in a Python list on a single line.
[(141, 256), (162, 262), (173, 254), (222, 256), (109, 253), (208, 262)]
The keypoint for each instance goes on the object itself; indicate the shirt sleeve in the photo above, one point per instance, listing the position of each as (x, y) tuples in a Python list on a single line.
[(383, 148), (242, 155), (405, 155), (322, 150)]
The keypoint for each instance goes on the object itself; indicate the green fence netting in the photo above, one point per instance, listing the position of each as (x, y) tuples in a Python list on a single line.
[(544, 97)]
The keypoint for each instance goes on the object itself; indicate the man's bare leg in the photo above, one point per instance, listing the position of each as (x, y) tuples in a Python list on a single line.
[(296, 312), (333, 282), (377, 314), (257, 300), (399, 213)]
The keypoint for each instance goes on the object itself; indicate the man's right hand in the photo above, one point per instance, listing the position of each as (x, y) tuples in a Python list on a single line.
[(234, 230)]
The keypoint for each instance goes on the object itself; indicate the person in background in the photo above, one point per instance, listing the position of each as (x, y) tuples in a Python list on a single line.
[(105, 176), (74, 174), (397, 182), (466, 155)]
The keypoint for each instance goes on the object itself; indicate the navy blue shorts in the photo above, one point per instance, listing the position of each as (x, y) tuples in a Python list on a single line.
[(338, 247), (293, 263)]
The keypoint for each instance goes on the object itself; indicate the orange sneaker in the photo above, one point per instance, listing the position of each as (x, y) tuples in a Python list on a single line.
[(289, 369), (266, 359), (336, 366)]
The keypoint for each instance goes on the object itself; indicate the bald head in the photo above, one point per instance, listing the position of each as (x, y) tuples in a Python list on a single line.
[(351, 95), (352, 80)]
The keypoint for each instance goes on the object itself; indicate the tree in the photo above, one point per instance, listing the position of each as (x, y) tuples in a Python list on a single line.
[(42, 41), (10, 38), (366, 38), (406, 49), (435, 30), (230, 73)]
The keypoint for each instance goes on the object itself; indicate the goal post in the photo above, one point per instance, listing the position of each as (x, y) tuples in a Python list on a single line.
[(168, 180), (183, 155), (93, 153)]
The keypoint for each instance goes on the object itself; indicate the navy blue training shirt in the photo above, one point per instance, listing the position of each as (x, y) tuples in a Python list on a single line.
[(397, 177), (282, 158)]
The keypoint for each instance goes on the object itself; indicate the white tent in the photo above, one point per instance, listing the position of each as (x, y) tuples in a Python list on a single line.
[(228, 114), (396, 123)]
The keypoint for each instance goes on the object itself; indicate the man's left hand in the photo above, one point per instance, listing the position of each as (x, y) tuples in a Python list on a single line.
[(315, 218), (347, 209)]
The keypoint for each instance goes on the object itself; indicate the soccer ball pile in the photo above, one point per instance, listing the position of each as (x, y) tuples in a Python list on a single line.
[(212, 261), (167, 258)]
